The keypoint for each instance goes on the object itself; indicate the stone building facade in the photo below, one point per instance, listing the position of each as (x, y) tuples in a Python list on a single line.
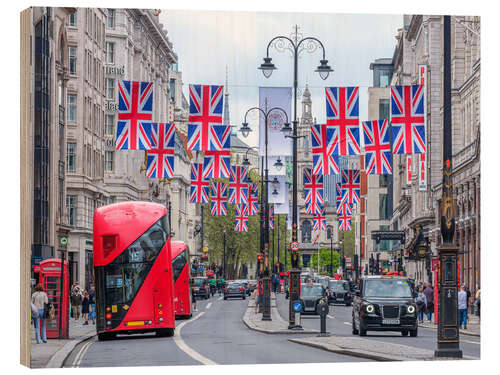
[(419, 43)]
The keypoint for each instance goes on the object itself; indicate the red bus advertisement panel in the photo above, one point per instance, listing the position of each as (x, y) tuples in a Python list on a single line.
[(133, 269), (182, 274)]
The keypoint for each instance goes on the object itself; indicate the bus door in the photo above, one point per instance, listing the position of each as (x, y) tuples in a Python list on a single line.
[(50, 278)]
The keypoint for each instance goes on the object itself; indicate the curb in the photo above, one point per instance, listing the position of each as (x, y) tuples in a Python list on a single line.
[(59, 357), (461, 331)]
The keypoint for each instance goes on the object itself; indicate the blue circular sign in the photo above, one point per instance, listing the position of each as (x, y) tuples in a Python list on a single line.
[(297, 306)]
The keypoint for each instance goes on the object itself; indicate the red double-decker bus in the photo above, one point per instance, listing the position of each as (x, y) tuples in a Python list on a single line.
[(133, 270), (182, 274)]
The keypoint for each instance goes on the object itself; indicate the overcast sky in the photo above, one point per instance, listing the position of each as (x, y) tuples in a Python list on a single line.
[(207, 41)]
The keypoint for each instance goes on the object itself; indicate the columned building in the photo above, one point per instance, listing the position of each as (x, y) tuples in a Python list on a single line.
[(419, 209)]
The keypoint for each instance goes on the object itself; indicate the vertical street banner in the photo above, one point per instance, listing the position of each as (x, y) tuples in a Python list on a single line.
[(408, 170), (274, 171), (283, 208), (422, 160), (280, 189), (270, 97), (422, 172)]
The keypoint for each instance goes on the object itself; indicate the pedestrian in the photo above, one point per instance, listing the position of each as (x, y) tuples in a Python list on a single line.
[(92, 303), (478, 303), (85, 307), (462, 307), (256, 297), (193, 299), (39, 299), (76, 301), (421, 303), (470, 305), (429, 297)]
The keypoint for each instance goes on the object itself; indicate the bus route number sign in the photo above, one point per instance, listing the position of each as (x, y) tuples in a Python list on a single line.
[(294, 246)]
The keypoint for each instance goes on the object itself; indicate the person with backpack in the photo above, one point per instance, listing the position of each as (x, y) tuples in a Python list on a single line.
[(85, 308), (421, 302), (40, 301), (76, 301)]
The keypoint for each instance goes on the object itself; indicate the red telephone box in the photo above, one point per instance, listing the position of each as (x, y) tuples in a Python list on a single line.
[(50, 278)]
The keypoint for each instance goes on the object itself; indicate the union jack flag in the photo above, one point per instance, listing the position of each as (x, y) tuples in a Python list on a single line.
[(271, 217), (253, 207), (135, 110), (377, 147), (238, 188), (313, 189), (199, 186), (325, 140), (344, 208), (338, 196), (216, 164), (254, 189), (218, 199), (319, 220), (241, 218), (408, 119), (345, 222), (342, 112), (351, 186), (205, 111), (160, 160)]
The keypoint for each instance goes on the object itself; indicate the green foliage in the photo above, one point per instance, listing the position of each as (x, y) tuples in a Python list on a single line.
[(348, 238), (325, 257)]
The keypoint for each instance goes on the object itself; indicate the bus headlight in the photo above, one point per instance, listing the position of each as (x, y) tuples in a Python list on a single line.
[(410, 309), (161, 319), (370, 308)]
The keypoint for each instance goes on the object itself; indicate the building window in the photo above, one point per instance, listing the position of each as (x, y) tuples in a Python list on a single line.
[(383, 108), (71, 112), (72, 59), (383, 214), (72, 19), (110, 53), (71, 157), (306, 231), (110, 88), (110, 119), (384, 180), (172, 89), (385, 76), (112, 199), (71, 206), (111, 18), (108, 161)]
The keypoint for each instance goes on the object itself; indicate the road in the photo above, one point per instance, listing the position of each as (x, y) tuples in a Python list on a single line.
[(215, 335), (339, 322)]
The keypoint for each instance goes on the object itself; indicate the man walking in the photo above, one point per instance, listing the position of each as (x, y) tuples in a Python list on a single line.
[(429, 296), (462, 307), (92, 303)]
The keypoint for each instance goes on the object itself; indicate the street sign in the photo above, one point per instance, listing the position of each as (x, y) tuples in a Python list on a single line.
[(348, 260), (379, 235), (294, 245), (297, 306), (63, 241)]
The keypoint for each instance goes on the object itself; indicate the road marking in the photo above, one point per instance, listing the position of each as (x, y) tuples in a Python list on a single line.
[(208, 306), (220, 298), (81, 353), (470, 342), (185, 348), (349, 324), (331, 317)]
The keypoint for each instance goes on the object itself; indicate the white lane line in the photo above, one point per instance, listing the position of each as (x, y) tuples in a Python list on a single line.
[(185, 348), (470, 342), (220, 298), (331, 317), (81, 354), (349, 324), (208, 306)]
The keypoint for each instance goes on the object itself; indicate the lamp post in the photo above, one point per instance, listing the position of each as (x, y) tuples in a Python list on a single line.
[(296, 44), (448, 337), (224, 261), (266, 280)]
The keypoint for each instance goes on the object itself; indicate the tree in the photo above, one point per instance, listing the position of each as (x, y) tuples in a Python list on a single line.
[(348, 238), (325, 257)]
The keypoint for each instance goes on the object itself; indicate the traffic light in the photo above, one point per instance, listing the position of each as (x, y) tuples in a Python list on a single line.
[(260, 257)]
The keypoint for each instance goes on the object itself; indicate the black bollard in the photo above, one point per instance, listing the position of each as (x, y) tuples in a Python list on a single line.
[(323, 309)]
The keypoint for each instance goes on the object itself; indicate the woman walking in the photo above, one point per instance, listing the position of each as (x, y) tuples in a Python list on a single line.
[(39, 299), (193, 299), (421, 304), (85, 307), (256, 297)]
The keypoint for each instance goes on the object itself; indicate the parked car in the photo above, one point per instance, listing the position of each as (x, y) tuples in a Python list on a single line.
[(234, 289), (384, 303), (339, 292), (310, 295), (202, 289)]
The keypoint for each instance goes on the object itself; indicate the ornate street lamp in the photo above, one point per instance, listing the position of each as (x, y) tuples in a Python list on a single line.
[(296, 44), (278, 164), (245, 129)]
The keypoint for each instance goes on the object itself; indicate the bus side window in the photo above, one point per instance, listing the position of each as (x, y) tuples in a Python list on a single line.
[(191, 282)]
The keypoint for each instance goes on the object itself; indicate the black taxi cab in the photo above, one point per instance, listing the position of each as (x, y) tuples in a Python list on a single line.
[(384, 303)]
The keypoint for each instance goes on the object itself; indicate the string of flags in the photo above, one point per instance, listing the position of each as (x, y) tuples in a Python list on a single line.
[(403, 133)]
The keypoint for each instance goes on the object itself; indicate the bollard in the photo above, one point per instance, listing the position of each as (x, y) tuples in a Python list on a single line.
[(322, 309)]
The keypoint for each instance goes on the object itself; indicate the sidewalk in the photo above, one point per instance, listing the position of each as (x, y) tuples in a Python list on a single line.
[(54, 352), (473, 326), (276, 325), (369, 349)]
